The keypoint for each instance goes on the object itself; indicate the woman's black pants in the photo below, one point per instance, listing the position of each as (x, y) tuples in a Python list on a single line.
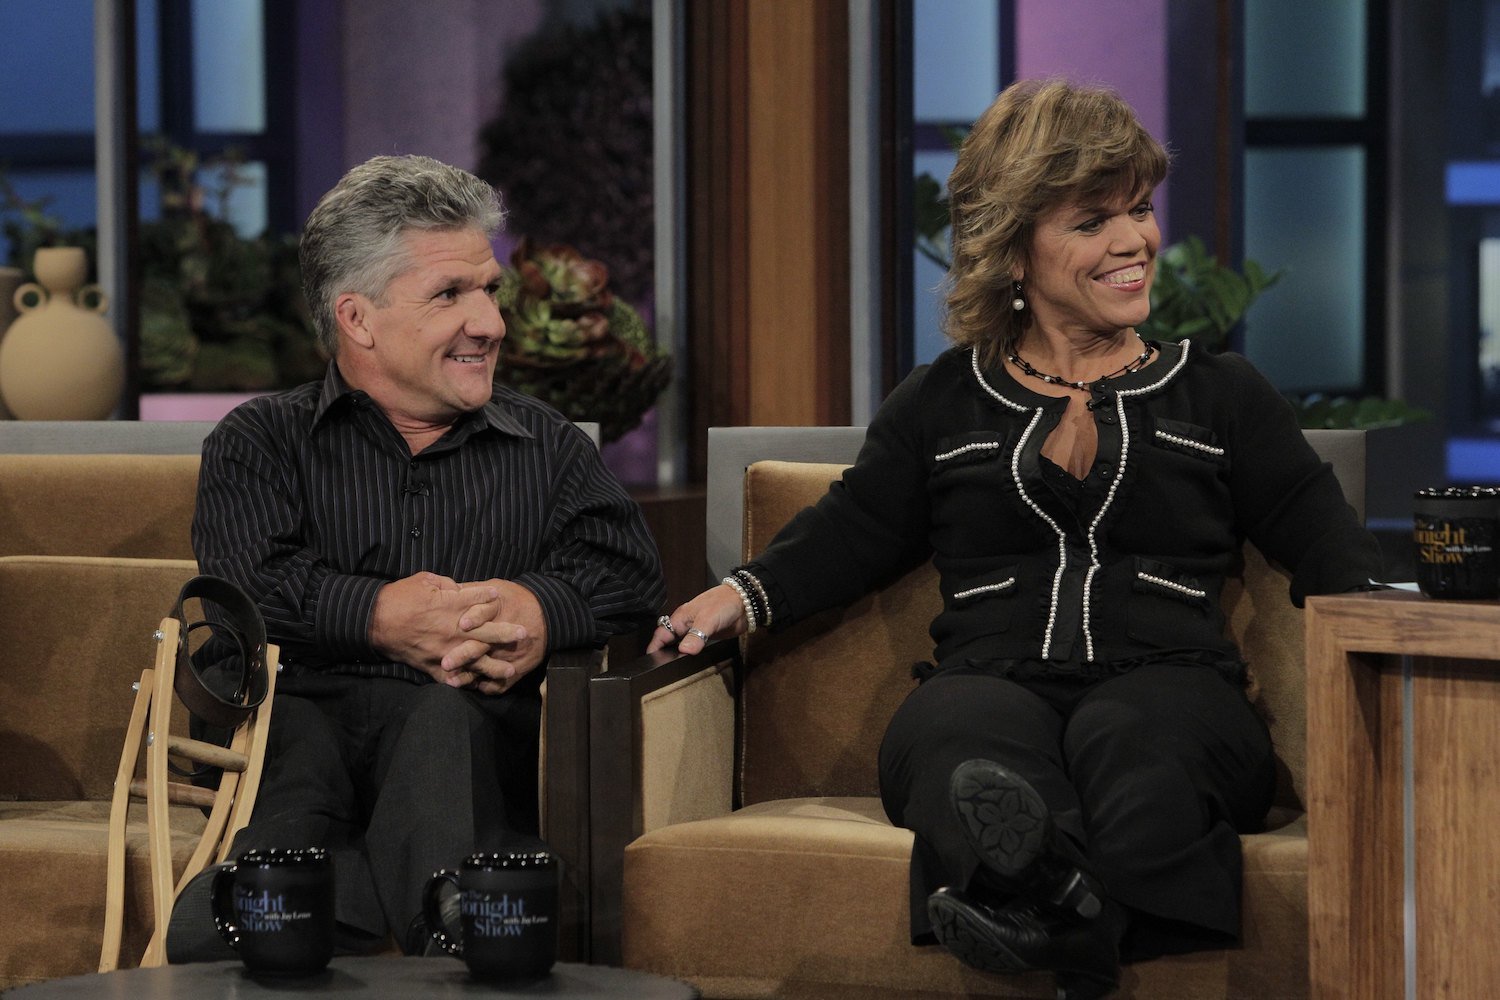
[(1150, 776)]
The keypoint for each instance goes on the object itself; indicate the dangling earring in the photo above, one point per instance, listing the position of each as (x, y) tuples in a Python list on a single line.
[(1018, 303)]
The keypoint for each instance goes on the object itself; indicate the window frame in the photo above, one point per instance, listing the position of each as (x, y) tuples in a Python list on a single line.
[(1371, 134)]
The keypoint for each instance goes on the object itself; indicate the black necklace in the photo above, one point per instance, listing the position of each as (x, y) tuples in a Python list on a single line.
[(1126, 369)]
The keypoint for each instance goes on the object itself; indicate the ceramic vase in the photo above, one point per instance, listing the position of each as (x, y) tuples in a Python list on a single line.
[(60, 359), (10, 280)]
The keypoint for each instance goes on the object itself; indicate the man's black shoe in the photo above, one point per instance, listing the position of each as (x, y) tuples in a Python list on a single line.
[(191, 934), (1085, 956), (419, 942), (1010, 828)]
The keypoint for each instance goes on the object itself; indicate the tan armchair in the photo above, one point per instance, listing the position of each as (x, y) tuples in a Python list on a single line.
[(94, 548), (759, 862)]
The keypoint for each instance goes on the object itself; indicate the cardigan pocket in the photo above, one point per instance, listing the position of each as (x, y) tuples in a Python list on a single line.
[(983, 604), (1188, 439), (1168, 608), (967, 449), (1161, 580)]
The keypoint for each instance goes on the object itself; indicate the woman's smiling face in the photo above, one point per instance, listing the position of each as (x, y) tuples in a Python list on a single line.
[(1091, 266)]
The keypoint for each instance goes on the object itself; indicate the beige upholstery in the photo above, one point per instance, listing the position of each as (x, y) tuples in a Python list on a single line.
[(75, 633), (802, 890), (98, 505)]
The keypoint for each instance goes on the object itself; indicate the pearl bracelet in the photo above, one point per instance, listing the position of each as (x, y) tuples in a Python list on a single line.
[(734, 584), (745, 576)]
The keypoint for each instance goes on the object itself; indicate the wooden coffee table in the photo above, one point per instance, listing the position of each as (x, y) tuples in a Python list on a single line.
[(381, 977)]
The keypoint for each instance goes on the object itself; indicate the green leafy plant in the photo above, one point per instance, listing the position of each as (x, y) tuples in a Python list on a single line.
[(28, 226), (1194, 296), (1366, 413), (573, 344), (219, 312), (930, 220)]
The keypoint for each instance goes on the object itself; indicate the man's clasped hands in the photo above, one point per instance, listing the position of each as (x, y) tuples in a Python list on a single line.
[(485, 635)]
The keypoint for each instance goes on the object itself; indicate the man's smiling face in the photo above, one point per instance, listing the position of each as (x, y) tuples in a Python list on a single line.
[(434, 336)]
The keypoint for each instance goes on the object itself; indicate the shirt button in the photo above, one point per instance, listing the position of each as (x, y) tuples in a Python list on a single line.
[(1107, 418), (1107, 471), (416, 532)]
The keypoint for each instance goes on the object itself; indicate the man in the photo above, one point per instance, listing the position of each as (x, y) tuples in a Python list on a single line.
[(417, 540)]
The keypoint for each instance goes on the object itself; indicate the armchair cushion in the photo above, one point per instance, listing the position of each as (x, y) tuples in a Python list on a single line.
[(841, 880)]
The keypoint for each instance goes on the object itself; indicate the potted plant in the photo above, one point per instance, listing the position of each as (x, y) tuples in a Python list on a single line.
[(1194, 296), (572, 343)]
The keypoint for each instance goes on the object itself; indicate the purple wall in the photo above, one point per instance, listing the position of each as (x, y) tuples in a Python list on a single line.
[(1123, 46), (392, 76)]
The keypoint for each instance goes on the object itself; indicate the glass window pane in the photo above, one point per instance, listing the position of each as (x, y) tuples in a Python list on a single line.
[(1304, 215), (1291, 42), (243, 205), (71, 195), (147, 68), (47, 66), (927, 334), (1489, 331), (229, 83), (1487, 135), (955, 58)]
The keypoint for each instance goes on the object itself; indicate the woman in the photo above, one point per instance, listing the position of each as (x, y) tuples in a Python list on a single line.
[(1080, 758)]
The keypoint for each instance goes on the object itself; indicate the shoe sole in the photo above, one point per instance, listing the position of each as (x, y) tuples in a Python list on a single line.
[(969, 937), (1002, 816), (1010, 828)]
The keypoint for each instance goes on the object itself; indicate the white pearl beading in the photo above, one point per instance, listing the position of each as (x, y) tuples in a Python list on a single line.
[(1171, 585), (1190, 443), (988, 588), (965, 449)]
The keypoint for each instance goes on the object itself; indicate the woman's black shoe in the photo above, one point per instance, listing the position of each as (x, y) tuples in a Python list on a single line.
[(1010, 828), (1085, 956)]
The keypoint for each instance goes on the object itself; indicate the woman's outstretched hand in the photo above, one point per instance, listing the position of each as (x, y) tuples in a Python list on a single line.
[(717, 613)]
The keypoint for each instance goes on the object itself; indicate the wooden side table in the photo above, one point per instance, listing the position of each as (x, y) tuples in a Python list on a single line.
[(1403, 768)]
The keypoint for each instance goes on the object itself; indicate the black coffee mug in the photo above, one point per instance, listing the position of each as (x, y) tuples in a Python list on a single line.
[(275, 907), (507, 914), (1456, 531)]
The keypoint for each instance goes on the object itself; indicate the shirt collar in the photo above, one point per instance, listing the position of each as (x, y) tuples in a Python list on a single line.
[(338, 395)]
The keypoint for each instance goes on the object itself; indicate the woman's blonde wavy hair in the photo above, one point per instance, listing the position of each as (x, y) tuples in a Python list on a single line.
[(1042, 143)]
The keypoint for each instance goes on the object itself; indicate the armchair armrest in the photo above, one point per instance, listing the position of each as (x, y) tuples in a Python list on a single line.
[(661, 749), (564, 777)]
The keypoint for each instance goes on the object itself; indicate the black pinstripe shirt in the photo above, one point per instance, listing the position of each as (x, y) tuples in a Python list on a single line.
[(310, 500)]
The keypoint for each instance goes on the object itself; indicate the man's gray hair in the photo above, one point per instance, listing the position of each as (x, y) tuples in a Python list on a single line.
[(355, 239)]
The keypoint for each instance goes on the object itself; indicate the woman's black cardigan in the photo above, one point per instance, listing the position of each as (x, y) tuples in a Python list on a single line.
[(1196, 453)]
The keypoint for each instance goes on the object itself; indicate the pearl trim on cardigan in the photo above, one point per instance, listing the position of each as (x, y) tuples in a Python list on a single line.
[(976, 446), (1171, 585), (988, 588), (1190, 443)]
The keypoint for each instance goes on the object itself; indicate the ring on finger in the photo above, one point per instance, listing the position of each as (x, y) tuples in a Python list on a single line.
[(702, 635), (665, 621)]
